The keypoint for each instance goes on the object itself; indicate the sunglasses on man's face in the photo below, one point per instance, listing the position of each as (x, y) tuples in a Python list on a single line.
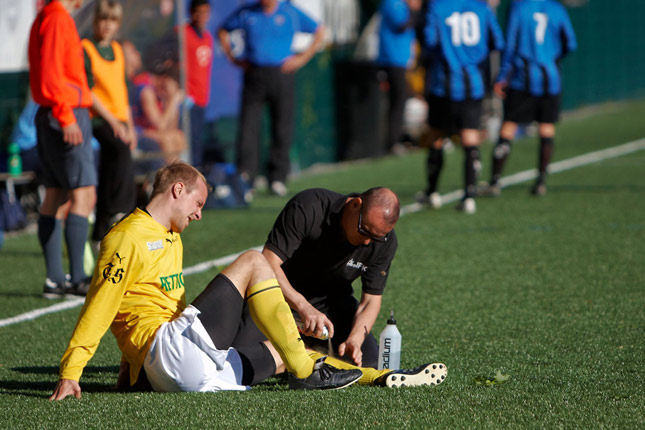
[(367, 234)]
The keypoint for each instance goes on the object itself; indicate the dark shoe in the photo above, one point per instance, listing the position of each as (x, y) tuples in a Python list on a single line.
[(427, 374), (489, 190), (325, 377), (52, 290), (539, 189), (80, 288)]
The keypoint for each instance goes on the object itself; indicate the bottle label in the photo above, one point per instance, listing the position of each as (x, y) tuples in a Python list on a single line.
[(385, 357)]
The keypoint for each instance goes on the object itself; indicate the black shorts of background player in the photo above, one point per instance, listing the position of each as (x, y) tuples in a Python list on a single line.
[(444, 118), (521, 107)]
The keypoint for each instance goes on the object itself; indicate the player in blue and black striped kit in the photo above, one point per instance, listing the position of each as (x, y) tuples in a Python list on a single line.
[(539, 35), (459, 35)]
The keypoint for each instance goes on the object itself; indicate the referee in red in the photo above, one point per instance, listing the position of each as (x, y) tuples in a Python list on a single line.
[(59, 85)]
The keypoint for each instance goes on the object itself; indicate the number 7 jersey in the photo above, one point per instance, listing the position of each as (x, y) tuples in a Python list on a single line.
[(539, 35), (459, 35)]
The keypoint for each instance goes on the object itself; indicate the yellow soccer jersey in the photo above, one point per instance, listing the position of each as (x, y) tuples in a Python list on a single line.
[(137, 286)]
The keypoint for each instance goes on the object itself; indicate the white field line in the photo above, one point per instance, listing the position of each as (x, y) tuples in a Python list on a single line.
[(516, 178), (32, 315)]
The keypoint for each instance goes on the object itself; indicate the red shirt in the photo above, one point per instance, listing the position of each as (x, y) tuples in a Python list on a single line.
[(57, 69), (199, 59)]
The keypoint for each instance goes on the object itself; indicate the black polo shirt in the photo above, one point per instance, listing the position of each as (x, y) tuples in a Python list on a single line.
[(317, 259)]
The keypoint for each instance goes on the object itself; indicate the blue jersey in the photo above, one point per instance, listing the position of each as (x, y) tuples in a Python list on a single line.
[(396, 34), (268, 37), (539, 34), (459, 35)]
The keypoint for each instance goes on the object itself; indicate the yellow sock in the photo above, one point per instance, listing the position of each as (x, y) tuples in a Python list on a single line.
[(370, 375), (273, 317)]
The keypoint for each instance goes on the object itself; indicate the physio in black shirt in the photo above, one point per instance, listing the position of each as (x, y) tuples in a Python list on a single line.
[(320, 243)]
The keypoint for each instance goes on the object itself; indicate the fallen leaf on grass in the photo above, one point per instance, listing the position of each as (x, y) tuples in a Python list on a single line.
[(495, 380)]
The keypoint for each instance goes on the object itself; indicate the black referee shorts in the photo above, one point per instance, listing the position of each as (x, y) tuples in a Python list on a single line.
[(452, 116), (522, 107)]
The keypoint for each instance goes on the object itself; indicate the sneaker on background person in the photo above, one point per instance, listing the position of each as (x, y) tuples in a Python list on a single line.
[(467, 206), (432, 200), (53, 290), (489, 190), (279, 188)]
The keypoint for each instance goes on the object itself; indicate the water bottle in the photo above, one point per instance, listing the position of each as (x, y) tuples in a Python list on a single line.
[(389, 351), (15, 162)]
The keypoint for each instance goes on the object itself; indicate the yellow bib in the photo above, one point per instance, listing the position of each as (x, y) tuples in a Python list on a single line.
[(109, 79)]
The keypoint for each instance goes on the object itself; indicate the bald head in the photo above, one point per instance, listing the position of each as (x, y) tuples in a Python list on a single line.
[(382, 201)]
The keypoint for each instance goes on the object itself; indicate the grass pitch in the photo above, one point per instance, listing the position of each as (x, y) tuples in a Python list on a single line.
[(549, 291)]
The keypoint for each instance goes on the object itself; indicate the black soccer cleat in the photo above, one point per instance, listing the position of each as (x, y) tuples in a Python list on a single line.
[(80, 288), (427, 374), (325, 377), (539, 189), (53, 290)]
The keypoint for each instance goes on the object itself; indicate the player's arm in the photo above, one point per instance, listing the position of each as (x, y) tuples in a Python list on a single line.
[(431, 29), (225, 44), (364, 320), (165, 118), (313, 319), (114, 273), (295, 62), (52, 78), (506, 65), (568, 36), (232, 22), (398, 16)]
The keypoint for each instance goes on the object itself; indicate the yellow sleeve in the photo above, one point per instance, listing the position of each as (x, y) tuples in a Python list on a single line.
[(113, 275)]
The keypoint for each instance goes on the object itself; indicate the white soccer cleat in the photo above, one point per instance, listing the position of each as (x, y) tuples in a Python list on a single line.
[(279, 188), (427, 374), (432, 200), (467, 206)]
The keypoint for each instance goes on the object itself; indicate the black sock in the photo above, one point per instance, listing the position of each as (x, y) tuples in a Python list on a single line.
[(471, 160), (50, 238), (434, 165), (546, 149), (76, 228), (500, 153)]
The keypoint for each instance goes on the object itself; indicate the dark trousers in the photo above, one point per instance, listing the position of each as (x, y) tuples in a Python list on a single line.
[(266, 85), (116, 191), (196, 139), (398, 95)]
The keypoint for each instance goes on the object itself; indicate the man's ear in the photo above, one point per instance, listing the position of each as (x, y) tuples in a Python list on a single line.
[(177, 189)]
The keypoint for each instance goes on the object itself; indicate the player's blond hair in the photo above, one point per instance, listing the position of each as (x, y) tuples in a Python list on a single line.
[(107, 9), (176, 172)]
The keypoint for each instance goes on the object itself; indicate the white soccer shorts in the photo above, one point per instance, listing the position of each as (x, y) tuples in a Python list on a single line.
[(182, 357)]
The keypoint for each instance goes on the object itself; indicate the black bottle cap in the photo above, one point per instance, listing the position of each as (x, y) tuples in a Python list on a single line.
[(391, 320)]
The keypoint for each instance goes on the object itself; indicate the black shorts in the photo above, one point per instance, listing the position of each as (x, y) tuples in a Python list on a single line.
[(63, 165), (522, 107), (450, 116)]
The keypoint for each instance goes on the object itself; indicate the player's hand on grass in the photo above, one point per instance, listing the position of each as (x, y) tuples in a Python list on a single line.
[(72, 134), (352, 348), (64, 388)]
